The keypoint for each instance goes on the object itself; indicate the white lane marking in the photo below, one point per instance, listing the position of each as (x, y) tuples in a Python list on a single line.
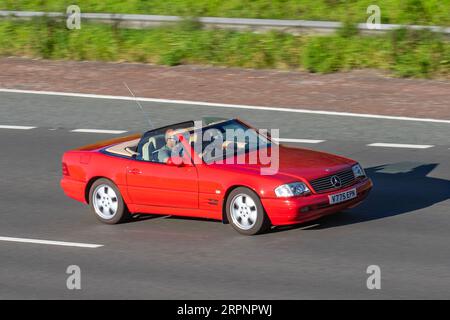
[(299, 140), (224, 105), (50, 242), (99, 131), (312, 141), (17, 127), (399, 145)]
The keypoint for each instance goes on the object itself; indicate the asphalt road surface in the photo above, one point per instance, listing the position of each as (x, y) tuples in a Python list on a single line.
[(403, 227)]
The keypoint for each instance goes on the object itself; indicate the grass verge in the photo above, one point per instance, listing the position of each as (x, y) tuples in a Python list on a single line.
[(405, 53)]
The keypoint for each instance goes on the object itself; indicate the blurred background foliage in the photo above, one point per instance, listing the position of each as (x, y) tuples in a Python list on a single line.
[(428, 12), (403, 52)]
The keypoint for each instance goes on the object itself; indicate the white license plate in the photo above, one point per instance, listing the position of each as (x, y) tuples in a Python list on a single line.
[(343, 196)]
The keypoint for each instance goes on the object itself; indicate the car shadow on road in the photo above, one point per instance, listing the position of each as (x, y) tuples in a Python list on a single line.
[(399, 188), (142, 217)]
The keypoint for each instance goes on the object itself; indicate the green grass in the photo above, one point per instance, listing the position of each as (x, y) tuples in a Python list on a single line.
[(435, 12), (405, 53)]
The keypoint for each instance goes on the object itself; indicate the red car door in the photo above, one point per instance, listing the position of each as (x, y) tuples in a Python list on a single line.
[(159, 184)]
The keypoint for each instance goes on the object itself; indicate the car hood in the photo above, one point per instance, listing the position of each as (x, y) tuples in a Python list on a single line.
[(310, 164), (299, 163)]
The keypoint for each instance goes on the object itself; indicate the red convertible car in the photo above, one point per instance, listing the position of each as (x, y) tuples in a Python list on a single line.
[(167, 172)]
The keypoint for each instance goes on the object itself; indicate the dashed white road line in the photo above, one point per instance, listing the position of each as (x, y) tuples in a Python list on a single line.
[(54, 243), (17, 127), (99, 131), (288, 140), (224, 105), (299, 140), (399, 145)]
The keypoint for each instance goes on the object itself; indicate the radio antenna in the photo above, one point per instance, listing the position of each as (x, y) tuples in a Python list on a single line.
[(139, 105)]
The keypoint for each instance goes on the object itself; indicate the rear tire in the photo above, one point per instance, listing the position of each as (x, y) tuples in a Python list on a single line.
[(245, 212), (107, 203)]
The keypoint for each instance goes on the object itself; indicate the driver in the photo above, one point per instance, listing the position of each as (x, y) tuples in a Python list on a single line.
[(165, 152)]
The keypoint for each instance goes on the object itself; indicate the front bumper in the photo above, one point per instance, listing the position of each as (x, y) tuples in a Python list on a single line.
[(285, 211)]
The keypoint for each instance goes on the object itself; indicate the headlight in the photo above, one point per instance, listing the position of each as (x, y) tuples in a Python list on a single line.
[(292, 189), (358, 171)]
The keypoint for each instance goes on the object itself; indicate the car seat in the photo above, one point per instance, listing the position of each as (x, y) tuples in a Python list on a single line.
[(154, 143)]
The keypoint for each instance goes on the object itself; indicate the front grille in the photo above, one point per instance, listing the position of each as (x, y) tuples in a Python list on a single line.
[(324, 184)]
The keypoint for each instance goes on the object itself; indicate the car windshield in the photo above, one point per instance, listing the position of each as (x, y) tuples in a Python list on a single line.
[(226, 139)]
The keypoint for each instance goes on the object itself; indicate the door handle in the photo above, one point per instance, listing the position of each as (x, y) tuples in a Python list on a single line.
[(134, 171)]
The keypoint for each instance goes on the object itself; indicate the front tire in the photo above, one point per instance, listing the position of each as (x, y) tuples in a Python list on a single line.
[(245, 212), (107, 203)]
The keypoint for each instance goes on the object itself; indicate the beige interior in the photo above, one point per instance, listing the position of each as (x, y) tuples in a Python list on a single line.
[(154, 143), (122, 148)]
